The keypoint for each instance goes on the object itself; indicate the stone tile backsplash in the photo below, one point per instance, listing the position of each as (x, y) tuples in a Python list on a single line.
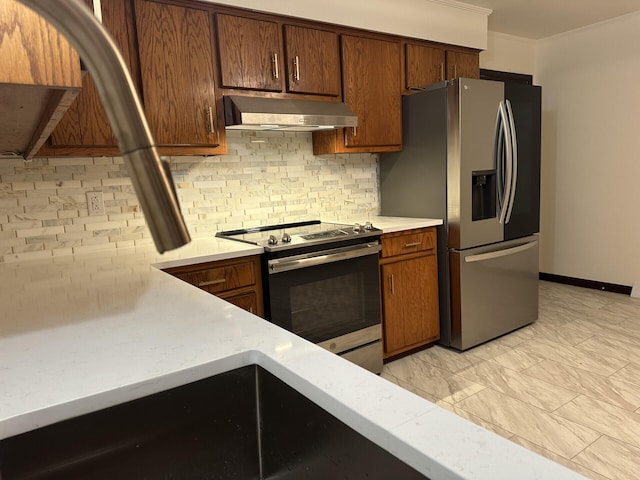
[(267, 177)]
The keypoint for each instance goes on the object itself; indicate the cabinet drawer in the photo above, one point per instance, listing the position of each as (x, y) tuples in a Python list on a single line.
[(247, 301), (222, 278), (408, 242)]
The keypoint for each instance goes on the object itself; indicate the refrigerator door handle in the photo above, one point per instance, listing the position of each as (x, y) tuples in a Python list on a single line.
[(481, 257), (498, 153), (508, 161), (514, 160)]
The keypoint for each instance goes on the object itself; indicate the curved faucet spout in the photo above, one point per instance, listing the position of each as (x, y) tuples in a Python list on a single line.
[(151, 180)]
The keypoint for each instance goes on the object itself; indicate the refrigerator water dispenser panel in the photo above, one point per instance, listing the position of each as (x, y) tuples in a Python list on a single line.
[(483, 195)]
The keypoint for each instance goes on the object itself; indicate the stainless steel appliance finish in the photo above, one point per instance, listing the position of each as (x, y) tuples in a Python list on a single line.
[(289, 236), (496, 284), (472, 157), (470, 148), (260, 113), (150, 176), (322, 257), (321, 281)]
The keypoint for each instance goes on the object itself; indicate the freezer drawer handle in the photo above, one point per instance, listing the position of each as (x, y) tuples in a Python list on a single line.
[(500, 253)]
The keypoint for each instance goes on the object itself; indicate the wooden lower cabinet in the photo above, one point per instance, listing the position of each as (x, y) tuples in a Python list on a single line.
[(409, 281), (237, 280)]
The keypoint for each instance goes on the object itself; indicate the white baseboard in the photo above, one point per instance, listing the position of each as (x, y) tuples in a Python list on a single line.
[(635, 289)]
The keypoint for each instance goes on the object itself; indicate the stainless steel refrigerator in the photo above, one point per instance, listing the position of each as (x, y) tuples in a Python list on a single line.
[(471, 155)]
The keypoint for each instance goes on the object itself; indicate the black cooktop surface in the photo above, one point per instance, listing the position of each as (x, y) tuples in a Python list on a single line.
[(299, 234)]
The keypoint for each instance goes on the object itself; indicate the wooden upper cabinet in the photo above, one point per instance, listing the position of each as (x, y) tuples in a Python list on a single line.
[(423, 66), (86, 122), (250, 53), (39, 78), (32, 50), (371, 76), (462, 64), (176, 67), (312, 61), (372, 88)]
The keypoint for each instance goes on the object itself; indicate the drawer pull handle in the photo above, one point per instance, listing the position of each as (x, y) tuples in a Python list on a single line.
[(212, 282), (392, 290), (274, 60), (210, 119), (296, 64), (414, 244)]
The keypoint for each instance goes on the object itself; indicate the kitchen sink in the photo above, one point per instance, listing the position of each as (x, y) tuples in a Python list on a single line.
[(241, 424)]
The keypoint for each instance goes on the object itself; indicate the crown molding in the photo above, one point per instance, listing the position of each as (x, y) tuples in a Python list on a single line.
[(462, 6)]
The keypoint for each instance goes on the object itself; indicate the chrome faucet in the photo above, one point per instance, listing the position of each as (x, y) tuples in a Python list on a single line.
[(149, 174)]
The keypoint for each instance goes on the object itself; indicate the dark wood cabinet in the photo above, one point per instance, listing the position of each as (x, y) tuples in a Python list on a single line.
[(249, 52), (409, 282), (176, 66), (251, 57), (85, 127), (237, 280), (185, 56), (462, 64), (371, 82), (423, 66), (312, 61)]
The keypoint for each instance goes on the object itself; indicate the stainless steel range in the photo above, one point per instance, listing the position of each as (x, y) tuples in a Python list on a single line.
[(321, 281)]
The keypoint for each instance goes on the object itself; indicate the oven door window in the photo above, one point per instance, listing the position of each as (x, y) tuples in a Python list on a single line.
[(325, 301)]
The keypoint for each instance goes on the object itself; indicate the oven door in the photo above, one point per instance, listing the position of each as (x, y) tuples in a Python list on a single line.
[(326, 294)]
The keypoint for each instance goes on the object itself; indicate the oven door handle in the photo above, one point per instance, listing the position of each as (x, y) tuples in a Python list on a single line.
[(319, 258)]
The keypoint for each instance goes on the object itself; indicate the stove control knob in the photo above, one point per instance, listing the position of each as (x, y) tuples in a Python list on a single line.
[(286, 238), (368, 226), (272, 240), (357, 228)]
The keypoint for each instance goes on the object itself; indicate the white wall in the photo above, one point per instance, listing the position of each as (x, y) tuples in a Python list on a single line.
[(590, 158), (508, 54), (590, 217), (446, 21)]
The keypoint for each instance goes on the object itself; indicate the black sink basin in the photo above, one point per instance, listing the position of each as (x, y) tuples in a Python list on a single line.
[(242, 424)]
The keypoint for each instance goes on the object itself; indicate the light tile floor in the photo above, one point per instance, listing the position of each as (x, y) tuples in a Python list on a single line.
[(567, 386)]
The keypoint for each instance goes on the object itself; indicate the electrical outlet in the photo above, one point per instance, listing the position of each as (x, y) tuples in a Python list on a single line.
[(95, 203)]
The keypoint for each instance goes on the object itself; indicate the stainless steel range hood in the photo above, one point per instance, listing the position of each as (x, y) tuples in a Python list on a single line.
[(260, 113)]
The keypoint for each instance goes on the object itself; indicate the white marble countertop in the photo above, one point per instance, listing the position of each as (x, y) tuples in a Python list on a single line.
[(81, 333)]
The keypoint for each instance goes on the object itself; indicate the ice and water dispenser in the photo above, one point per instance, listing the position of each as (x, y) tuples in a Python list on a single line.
[(483, 195)]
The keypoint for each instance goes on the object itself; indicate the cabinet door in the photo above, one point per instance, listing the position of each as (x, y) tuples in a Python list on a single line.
[(86, 122), (313, 61), (460, 64), (410, 303), (423, 66), (246, 301), (372, 89), (176, 60), (250, 54)]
